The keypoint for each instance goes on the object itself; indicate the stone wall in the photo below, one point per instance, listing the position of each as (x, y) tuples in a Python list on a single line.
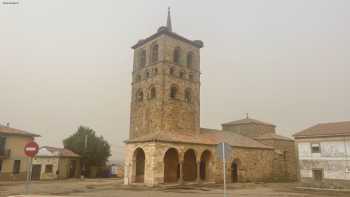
[(254, 164), (285, 159)]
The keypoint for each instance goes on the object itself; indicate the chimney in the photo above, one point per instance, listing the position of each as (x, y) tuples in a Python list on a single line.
[(8, 124)]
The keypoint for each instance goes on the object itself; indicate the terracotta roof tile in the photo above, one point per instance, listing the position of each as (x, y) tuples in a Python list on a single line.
[(247, 121), (12, 131), (206, 136), (326, 130), (273, 136), (61, 152)]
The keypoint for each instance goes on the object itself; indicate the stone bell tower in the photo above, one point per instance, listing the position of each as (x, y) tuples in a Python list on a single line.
[(165, 84)]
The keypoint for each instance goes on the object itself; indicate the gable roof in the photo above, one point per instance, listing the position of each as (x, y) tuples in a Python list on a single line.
[(48, 151), (273, 136), (331, 129), (12, 131), (206, 137), (247, 121)]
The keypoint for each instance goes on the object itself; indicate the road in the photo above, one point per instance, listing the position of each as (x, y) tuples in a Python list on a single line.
[(115, 188)]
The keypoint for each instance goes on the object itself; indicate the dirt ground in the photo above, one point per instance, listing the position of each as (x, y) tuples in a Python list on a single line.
[(115, 188)]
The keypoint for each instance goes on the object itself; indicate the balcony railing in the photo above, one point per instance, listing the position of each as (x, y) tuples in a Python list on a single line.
[(4, 154)]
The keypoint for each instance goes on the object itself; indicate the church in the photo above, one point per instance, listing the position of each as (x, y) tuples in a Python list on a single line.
[(166, 144)]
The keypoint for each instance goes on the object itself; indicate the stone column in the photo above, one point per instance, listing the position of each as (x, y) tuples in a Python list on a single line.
[(181, 178), (198, 172)]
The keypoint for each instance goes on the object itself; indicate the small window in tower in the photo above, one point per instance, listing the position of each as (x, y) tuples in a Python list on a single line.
[(139, 96), (138, 78), (189, 59), (154, 56), (142, 58), (190, 76), (188, 95), (153, 93), (177, 55), (173, 92), (182, 74), (155, 71), (172, 71), (147, 75)]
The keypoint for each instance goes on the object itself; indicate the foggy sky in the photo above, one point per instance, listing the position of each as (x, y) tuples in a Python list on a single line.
[(65, 63)]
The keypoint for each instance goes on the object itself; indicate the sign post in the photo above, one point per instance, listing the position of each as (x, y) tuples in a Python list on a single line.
[(30, 149), (224, 152)]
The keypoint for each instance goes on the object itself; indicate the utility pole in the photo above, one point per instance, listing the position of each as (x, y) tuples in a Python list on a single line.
[(224, 162), (85, 151)]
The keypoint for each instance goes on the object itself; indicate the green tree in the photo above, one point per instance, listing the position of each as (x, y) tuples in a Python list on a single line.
[(94, 150)]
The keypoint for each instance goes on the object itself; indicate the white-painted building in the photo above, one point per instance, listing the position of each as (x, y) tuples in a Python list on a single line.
[(324, 153), (55, 163)]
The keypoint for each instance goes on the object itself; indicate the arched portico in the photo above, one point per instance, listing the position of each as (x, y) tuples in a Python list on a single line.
[(235, 170), (138, 166), (171, 166), (189, 166), (205, 165)]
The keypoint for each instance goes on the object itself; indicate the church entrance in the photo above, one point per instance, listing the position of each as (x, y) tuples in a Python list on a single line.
[(205, 165), (139, 161), (171, 166), (189, 166), (234, 172)]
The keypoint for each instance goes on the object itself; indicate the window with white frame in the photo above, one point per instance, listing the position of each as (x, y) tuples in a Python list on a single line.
[(315, 148)]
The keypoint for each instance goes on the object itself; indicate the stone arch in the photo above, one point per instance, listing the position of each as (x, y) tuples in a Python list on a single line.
[(182, 74), (142, 57), (172, 71), (173, 91), (205, 165), (188, 95), (171, 166), (189, 59), (152, 92), (155, 53), (139, 159), (177, 55), (189, 166), (147, 74), (138, 77), (139, 95), (236, 163), (190, 76)]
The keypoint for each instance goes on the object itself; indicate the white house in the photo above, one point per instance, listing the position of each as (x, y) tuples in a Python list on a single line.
[(324, 153), (55, 163)]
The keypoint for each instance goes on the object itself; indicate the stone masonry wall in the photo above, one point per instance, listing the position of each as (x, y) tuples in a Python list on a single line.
[(254, 164), (285, 159), (164, 113)]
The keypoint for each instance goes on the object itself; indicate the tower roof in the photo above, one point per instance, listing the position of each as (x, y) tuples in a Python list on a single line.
[(168, 30), (247, 120)]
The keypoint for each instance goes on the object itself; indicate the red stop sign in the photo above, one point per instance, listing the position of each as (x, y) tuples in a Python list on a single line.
[(31, 149)]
